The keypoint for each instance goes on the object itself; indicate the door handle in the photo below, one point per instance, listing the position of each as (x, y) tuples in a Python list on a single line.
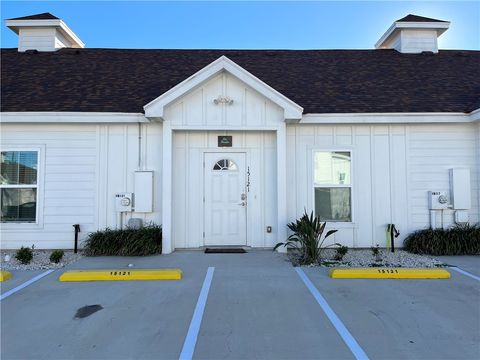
[(243, 203)]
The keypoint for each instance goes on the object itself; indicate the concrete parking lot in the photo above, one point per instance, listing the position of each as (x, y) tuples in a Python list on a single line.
[(257, 307)]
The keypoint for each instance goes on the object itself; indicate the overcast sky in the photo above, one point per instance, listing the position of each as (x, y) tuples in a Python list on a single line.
[(245, 25)]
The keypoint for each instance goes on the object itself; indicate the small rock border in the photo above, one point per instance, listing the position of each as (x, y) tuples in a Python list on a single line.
[(40, 261), (364, 258)]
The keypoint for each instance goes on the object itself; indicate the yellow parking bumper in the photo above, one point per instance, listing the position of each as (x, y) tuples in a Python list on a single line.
[(388, 273), (121, 274)]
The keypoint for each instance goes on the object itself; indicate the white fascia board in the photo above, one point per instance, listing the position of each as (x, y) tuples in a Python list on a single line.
[(71, 118), (69, 34), (15, 24), (155, 108), (56, 23), (386, 118), (475, 115), (441, 27)]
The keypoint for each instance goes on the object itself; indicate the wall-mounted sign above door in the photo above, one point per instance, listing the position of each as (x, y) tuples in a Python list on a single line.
[(224, 141)]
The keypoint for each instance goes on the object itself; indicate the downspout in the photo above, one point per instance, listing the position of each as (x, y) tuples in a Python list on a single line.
[(139, 146)]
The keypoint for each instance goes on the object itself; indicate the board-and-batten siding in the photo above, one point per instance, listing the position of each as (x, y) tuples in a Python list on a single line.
[(188, 187), (393, 168), (433, 149), (249, 108), (84, 165), (197, 110)]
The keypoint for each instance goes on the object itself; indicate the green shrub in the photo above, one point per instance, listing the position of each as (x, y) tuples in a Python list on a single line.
[(307, 238), (24, 255), (125, 242), (340, 252), (56, 256), (457, 240)]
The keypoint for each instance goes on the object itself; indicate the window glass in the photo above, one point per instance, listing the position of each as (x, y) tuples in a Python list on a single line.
[(18, 204), (18, 186), (225, 164), (18, 167), (333, 204), (333, 185), (332, 168)]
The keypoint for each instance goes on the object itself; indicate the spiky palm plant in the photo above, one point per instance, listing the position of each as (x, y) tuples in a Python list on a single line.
[(307, 238)]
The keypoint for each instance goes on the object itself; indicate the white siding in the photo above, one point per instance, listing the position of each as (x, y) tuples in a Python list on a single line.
[(249, 108), (433, 150), (41, 39), (478, 170), (393, 168), (416, 41), (84, 165), (188, 149)]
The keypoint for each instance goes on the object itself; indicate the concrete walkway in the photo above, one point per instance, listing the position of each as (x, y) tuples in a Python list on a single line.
[(257, 308)]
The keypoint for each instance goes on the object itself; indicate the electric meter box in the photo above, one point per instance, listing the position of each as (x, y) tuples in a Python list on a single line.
[(123, 202), (460, 188), (437, 200)]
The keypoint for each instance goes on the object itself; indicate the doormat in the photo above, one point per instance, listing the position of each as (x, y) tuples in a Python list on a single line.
[(224, 251)]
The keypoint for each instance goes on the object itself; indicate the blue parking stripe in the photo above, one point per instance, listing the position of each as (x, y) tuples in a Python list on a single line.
[(25, 284), (352, 344), (193, 330), (465, 273)]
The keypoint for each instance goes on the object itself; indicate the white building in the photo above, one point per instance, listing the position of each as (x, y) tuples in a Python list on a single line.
[(225, 147)]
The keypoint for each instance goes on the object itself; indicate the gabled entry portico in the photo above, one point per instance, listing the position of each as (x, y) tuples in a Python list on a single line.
[(223, 99)]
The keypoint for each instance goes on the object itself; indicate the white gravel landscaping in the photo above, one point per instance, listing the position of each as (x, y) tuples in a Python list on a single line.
[(40, 261), (365, 258)]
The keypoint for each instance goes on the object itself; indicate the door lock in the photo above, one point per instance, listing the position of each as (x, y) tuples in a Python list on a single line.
[(243, 196)]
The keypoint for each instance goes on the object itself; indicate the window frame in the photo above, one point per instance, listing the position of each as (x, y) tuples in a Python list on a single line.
[(351, 185), (38, 223)]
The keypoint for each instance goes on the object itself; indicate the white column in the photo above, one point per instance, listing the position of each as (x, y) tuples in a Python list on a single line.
[(167, 244), (282, 185)]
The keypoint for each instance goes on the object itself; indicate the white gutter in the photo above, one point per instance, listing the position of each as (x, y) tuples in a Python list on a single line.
[(71, 117), (390, 118)]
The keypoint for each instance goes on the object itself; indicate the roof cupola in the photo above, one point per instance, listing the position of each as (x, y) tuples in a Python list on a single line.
[(43, 32), (413, 34)]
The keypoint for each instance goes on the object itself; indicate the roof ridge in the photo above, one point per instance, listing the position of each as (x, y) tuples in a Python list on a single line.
[(41, 16), (418, 18)]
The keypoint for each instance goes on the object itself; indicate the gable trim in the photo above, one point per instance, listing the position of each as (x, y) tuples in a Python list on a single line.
[(156, 107)]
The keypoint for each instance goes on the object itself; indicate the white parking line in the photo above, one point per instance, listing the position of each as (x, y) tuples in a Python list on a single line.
[(191, 338), (25, 284), (352, 344), (465, 273)]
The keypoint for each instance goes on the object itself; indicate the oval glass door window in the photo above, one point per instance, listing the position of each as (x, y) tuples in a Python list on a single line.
[(225, 164)]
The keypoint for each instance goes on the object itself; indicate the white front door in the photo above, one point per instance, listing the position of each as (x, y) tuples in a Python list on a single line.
[(225, 199)]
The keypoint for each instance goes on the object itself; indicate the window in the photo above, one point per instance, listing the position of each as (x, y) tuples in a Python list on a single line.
[(225, 164), (18, 186), (332, 185)]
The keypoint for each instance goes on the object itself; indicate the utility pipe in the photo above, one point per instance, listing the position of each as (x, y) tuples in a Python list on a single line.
[(77, 230), (433, 219)]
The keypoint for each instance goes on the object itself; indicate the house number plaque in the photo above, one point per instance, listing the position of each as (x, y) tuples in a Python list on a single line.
[(224, 141)]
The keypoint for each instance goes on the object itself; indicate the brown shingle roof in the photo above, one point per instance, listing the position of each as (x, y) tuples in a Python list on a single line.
[(321, 81), (42, 16), (416, 18)]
